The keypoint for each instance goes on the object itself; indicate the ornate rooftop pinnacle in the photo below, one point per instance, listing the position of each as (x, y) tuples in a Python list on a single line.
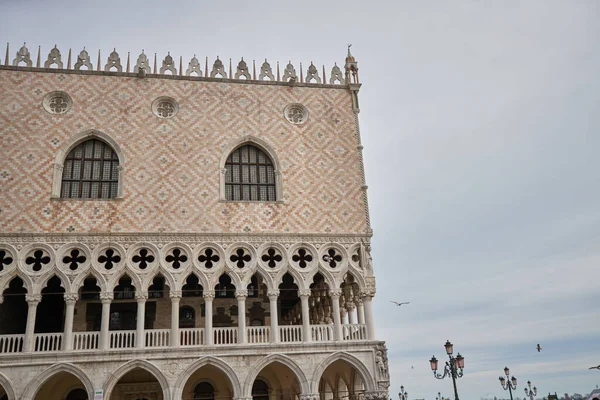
[(290, 74)]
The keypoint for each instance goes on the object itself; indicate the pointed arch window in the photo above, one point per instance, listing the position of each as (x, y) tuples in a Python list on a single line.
[(250, 175), (90, 171)]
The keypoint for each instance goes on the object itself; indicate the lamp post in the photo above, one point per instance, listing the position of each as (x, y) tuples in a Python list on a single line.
[(439, 397), (453, 368), (530, 393), (507, 384), (403, 395)]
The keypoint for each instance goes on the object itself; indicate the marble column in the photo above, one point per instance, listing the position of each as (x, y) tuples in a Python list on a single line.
[(273, 296), (70, 300), (360, 310), (32, 302), (350, 307), (175, 296), (241, 300), (306, 334), (140, 335), (335, 304), (209, 296), (106, 298), (367, 298)]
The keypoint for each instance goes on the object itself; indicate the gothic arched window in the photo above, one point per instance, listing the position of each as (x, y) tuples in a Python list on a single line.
[(90, 171), (204, 391), (250, 175)]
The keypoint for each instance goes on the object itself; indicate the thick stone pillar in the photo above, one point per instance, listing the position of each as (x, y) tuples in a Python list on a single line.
[(241, 300), (140, 334), (175, 298), (106, 298), (273, 296), (70, 300), (350, 307), (209, 296), (335, 306), (360, 310), (367, 299), (304, 295), (32, 302)]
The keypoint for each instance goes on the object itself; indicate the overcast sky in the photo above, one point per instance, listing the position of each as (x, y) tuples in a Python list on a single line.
[(480, 121)]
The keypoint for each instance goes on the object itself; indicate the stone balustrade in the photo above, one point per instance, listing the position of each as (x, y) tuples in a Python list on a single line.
[(189, 337)]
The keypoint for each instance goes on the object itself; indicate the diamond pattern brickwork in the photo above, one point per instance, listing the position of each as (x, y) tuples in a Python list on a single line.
[(171, 166)]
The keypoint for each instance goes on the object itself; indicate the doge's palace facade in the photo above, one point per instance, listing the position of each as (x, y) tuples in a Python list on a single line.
[(176, 230)]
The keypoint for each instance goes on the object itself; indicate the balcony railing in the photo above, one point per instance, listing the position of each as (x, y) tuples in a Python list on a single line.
[(188, 337)]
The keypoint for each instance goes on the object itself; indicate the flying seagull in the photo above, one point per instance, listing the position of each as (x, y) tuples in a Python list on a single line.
[(399, 304), (598, 367), (539, 348)]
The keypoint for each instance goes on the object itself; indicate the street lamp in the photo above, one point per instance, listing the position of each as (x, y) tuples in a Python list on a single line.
[(439, 397), (529, 392), (403, 395), (453, 368), (506, 384)]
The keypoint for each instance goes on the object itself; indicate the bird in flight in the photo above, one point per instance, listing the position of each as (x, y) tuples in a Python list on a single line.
[(399, 304), (539, 348), (598, 367)]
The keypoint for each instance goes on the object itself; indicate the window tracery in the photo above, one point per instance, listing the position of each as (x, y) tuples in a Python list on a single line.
[(90, 171), (250, 175)]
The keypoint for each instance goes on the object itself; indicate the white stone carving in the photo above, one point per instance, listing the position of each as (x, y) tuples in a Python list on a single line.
[(295, 113), (289, 73), (242, 70), (265, 71), (193, 67), (23, 55), (218, 69), (142, 63), (54, 58), (312, 73), (114, 61), (336, 75), (83, 59), (168, 65), (165, 107)]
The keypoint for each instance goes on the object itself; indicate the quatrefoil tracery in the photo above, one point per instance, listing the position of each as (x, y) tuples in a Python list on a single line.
[(332, 258), (143, 258), (302, 257), (176, 258), (5, 259), (110, 258), (272, 257), (38, 260), (240, 258), (209, 258), (74, 259)]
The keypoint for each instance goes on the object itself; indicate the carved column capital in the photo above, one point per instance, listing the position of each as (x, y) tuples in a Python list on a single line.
[(367, 293), (33, 299), (273, 294), (175, 294), (71, 298), (209, 294), (335, 293), (310, 396), (304, 292), (350, 306), (107, 297), (239, 294), (141, 295)]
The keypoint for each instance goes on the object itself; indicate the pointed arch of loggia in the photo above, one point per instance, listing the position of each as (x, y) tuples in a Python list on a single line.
[(207, 361), (282, 359), (129, 366), (350, 359), (37, 383)]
